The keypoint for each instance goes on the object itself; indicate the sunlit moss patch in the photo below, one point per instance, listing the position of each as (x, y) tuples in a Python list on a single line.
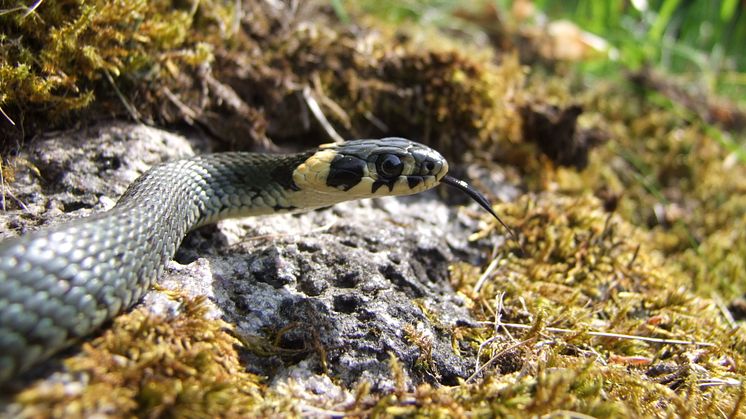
[(147, 365)]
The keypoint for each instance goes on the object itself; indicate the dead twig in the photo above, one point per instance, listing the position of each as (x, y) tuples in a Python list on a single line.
[(606, 334), (313, 105), (128, 106)]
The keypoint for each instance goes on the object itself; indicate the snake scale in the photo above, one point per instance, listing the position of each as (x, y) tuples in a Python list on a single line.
[(60, 284)]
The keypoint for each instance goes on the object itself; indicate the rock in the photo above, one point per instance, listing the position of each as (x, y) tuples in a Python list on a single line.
[(73, 174), (342, 288)]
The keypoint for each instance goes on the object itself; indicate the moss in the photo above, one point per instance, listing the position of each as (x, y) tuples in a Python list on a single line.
[(585, 270), (381, 84), (147, 365), (60, 56), (176, 62), (672, 176)]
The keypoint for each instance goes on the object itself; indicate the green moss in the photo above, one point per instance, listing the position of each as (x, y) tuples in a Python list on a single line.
[(59, 57)]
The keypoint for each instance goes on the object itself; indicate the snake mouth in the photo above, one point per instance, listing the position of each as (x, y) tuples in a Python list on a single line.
[(477, 197)]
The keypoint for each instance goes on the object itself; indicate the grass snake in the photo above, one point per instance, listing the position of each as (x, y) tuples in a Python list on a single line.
[(60, 284)]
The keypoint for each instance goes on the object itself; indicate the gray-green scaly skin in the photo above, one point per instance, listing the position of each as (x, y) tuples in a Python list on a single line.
[(60, 284)]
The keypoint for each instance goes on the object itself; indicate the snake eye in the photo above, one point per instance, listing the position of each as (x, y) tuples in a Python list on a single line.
[(389, 166)]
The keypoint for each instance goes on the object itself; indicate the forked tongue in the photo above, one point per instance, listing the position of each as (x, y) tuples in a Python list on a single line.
[(478, 197)]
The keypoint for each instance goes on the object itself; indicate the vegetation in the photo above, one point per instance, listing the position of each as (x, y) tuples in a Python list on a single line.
[(699, 40), (58, 57)]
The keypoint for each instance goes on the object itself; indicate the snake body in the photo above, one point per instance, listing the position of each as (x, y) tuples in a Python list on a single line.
[(60, 284)]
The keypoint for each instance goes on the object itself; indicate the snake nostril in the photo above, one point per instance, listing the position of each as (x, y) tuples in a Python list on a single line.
[(429, 166)]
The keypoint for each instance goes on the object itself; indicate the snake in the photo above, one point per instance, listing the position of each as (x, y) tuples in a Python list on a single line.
[(60, 284)]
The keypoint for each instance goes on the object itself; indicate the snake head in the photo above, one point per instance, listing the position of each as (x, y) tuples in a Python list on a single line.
[(368, 168)]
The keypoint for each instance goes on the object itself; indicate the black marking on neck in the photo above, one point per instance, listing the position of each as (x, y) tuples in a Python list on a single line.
[(345, 172), (283, 171)]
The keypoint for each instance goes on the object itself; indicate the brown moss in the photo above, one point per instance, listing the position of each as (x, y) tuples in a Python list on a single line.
[(152, 61), (147, 365), (675, 176), (585, 271), (588, 271), (376, 84)]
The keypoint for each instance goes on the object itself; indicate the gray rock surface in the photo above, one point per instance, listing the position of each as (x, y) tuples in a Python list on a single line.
[(351, 278)]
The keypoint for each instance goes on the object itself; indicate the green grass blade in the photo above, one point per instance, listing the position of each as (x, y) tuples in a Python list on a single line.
[(664, 17)]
